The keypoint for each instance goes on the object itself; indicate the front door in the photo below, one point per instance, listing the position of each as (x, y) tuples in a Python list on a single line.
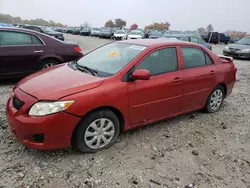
[(160, 96), (20, 52), (199, 77)]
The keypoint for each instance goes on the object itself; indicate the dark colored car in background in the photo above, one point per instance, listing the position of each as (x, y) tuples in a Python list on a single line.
[(70, 30), (76, 30), (148, 32), (224, 38), (106, 32), (240, 49), (25, 51), (212, 37), (85, 31), (45, 30)]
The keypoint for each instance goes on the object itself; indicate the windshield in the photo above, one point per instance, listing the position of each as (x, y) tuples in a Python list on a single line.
[(135, 32), (176, 32), (171, 37), (47, 29), (111, 58), (245, 40), (120, 32), (106, 30), (156, 32)]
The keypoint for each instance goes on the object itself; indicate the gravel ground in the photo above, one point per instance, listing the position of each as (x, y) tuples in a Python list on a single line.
[(210, 150)]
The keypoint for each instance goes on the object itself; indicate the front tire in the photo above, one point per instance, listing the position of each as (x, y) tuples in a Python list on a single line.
[(98, 131), (215, 99)]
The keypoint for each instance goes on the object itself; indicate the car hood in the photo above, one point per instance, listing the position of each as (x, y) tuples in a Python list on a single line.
[(53, 33), (154, 36), (239, 46), (120, 34), (135, 36), (105, 32), (57, 82)]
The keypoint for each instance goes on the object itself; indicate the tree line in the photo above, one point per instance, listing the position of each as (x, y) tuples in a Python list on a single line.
[(120, 23), (231, 33), (6, 18)]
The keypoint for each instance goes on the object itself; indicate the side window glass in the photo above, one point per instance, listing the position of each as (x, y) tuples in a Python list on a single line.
[(195, 40), (36, 40), (37, 29), (185, 39), (193, 57), (160, 61), (9, 38), (208, 60)]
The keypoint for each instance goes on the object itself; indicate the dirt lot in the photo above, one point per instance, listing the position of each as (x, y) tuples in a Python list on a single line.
[(210, 150)]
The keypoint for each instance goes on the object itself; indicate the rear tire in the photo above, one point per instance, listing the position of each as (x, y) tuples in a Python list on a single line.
[(215, 99), (47, 63), (98, 131)]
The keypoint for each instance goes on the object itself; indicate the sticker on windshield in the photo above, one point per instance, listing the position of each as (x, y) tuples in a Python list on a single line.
[(113, 54), (137, 47)]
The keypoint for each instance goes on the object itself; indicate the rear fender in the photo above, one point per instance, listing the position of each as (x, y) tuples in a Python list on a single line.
[(57, 58)]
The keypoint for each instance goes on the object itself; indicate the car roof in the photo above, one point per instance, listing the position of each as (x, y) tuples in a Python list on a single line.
[(18, 29), (156, 42)]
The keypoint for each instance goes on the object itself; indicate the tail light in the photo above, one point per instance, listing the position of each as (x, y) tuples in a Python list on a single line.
[(78, 49), (235, 70)]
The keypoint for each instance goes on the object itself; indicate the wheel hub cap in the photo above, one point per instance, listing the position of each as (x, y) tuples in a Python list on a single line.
[(216, 99), (99, 133), (48, 65)]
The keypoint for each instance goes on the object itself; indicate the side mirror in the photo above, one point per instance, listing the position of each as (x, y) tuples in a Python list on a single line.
[(140, 74)]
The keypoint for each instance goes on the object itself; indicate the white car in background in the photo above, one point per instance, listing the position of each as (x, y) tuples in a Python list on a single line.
[(120, 35), (136, 34)]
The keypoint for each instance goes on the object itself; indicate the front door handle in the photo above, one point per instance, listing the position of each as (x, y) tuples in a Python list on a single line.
[(177, 79), (38, 51), (212, 72)]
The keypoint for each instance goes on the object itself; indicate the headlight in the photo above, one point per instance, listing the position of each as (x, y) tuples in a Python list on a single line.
[(226, 48), (245, 50), (44, 108)]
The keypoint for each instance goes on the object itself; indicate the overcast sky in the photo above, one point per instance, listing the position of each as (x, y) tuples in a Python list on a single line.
[(181, 14)]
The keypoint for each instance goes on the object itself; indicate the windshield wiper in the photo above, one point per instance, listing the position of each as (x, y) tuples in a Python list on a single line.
[(84, 68)]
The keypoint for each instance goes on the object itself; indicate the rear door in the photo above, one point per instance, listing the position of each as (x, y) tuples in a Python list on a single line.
[(199, 77), (20, 52)]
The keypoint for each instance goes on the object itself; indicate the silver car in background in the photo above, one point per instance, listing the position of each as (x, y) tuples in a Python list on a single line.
[(95, 32)]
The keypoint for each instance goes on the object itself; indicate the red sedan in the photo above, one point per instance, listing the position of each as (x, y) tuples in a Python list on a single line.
[(117, 87)]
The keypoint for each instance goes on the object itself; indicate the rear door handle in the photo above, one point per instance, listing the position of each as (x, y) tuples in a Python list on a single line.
[(38, 51), (212, 72), (177, 79)]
